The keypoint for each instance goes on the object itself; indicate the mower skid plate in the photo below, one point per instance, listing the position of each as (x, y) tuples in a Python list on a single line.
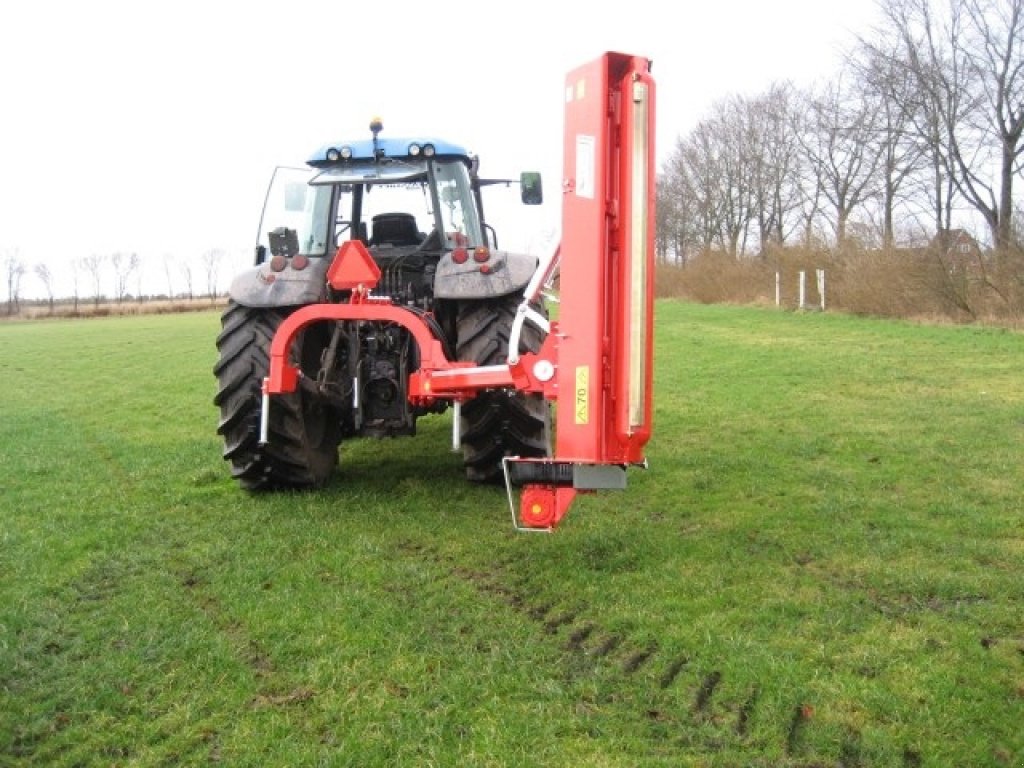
[(549, 487)]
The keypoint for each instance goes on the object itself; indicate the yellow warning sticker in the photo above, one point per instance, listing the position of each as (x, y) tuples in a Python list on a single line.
[(582, 394)]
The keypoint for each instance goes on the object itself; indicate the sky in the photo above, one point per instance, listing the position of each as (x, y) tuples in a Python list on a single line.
[(153, 127)]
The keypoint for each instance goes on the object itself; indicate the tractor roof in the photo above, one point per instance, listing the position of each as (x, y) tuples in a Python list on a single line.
[(342, 152)]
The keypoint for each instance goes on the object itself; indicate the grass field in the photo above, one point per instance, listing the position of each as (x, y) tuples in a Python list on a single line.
[(824, 566)]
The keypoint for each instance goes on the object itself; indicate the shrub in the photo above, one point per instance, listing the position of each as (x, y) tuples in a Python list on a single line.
[(918, 283)]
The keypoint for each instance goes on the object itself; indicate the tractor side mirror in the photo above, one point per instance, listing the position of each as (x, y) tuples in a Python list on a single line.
[(530, 189)]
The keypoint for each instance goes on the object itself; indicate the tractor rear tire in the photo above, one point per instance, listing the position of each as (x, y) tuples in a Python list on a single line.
[(498, 423), (304, 433)]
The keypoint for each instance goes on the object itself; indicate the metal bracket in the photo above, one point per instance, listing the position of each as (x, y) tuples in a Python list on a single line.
[(511, 501), (547, 267)]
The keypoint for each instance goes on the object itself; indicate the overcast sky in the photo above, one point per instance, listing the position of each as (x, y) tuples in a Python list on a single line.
[(154, 127)]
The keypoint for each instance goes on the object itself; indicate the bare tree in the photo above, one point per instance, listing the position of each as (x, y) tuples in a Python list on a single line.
[(139, 274), (699, 180), (837, 140), (810, 209), (668, 229), (76, 264), (887, 64), (940, 185), (735, 160), (124, 266), (211, 261), (93, 264), (774, 157), (168, 260), (46, 278), (682, 213), (186, 273), (15, 270), (886, 81), (996, 55), (738, 169), (968, 61)]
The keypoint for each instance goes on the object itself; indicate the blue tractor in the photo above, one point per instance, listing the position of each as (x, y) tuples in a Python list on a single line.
[(416, 206)]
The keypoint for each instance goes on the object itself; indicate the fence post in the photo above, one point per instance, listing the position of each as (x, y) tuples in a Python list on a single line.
[(821, 287), (803, 289), (778, 289)]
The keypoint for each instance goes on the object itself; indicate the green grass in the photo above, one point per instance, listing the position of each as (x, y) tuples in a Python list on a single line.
[(823, 566)]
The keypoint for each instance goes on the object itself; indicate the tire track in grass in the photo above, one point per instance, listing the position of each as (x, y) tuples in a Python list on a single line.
[(746, 711), (637, 659), (276, 689), (579, 637), (802, 714), (672, 672), (707, 688), (592, 647)]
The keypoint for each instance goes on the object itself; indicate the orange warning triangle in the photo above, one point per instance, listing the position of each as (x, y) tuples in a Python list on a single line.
[(352, 267)]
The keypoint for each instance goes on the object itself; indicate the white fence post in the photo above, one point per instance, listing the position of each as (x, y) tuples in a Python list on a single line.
[(803, 289), (821, 287), (778, 289)]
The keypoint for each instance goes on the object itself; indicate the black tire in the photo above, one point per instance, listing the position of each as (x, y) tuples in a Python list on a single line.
[(498, 423), (303, 432)]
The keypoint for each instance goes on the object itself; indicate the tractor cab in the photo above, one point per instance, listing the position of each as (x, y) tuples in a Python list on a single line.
[(396, 195)]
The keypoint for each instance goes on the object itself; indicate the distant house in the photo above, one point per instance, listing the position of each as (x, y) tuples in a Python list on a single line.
[(956, 246)]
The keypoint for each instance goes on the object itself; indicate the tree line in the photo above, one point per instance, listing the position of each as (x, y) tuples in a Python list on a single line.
[(923, 122), (114, 277)]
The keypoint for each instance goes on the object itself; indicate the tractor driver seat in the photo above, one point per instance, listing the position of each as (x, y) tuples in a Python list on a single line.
[(395, 229)]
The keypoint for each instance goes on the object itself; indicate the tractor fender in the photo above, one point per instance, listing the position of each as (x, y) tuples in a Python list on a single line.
[(263, 287), (503, 273)]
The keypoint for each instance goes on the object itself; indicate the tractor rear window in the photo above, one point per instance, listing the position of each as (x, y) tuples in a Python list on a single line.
[(458, 206), (293, 204)]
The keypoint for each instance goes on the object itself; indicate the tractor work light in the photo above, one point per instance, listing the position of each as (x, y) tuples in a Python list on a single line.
[(481, 254), (335, 155), (414, 150), (428, 150)]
